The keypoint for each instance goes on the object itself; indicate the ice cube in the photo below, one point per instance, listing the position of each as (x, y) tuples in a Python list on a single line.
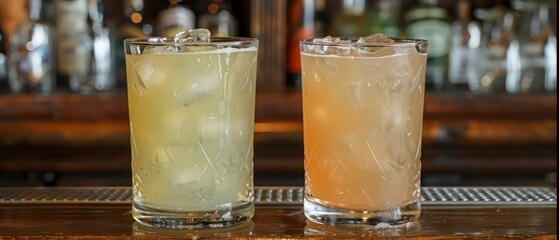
[(170, 156), (378, 38), (211, 129), (185, 97), (178, 128), (201, 89), (148, 75), (195, 182), (376, 51), (383, 52), (330, 50), (194, 35), (327, 39), (339, 50), (161, 49)]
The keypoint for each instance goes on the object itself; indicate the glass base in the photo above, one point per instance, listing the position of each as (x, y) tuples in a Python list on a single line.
[(395, 217), (192, 220)]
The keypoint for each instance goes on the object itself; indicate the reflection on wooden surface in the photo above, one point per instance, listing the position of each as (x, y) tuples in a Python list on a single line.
[(279, 222)]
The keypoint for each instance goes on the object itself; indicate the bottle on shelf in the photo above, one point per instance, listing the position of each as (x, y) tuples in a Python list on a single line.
[(429, 21), (133, 23), (351, 21), (91, 71), (71, 23), (498, 61), (218, 19), (538, 49), (300, 25), (380, 20), (177, 18), (466, 39), (12, 14), (320, 18), (31, 54), (48, 12), (3, 64)]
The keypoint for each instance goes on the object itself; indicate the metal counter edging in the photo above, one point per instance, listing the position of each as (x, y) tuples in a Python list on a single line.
[(541, 196)]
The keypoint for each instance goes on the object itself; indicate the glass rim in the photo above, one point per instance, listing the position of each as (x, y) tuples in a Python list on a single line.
[(352, 42), (214, 41)]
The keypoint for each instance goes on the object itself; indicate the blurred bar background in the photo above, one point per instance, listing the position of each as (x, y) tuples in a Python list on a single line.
[(490, 106)]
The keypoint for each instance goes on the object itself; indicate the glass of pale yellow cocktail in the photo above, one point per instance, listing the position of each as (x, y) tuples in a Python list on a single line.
[(191, 104)]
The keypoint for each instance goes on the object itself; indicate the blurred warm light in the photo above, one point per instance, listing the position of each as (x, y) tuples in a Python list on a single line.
[(213, 8), (486, 80), (136, 18), (271, 127)]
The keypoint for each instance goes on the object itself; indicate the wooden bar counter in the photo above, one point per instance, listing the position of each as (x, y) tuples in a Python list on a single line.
[(447, 213)]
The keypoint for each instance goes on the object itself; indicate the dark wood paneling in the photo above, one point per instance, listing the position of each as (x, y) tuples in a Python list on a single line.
[(465, 137)]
